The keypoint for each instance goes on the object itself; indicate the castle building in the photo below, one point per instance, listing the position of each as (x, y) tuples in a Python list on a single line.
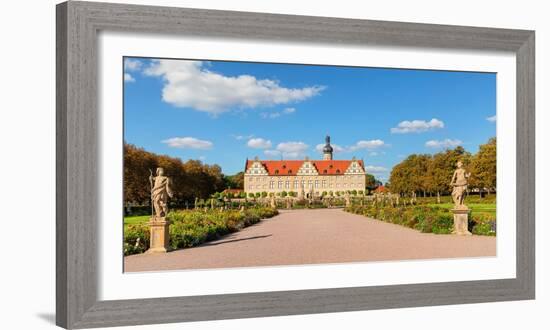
[(308, 177)]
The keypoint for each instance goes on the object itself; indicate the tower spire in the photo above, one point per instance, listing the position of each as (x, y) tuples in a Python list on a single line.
[(327, 149)]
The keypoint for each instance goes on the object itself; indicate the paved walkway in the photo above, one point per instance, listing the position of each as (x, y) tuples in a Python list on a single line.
[(315, 236)]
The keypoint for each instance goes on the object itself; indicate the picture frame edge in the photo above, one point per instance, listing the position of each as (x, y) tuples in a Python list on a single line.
[(77, 26)]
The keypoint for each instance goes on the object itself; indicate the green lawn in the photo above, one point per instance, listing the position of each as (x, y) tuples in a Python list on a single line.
[(133, 220), (490, 208)]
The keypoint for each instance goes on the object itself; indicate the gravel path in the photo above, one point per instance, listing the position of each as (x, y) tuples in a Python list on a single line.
[(315, 236)]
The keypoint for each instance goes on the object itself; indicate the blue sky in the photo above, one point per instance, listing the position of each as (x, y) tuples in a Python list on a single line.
[(225, 112)]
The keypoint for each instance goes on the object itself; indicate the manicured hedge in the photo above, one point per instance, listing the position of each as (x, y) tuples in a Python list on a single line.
[(425, 219), (193, 227)]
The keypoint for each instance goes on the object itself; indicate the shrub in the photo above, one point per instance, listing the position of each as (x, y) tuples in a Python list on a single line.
[(136, 239), (193, 227), (426, 219)]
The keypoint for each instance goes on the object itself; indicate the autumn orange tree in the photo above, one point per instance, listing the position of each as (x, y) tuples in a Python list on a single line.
[(191, 179), (431, 174)]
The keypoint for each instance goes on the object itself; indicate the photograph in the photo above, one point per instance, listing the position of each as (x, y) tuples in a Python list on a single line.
[(247, 164)]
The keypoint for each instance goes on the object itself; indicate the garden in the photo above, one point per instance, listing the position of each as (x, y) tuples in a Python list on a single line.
[(428, 216), (192, 227)]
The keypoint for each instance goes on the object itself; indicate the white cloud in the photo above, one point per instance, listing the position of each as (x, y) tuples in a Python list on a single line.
[(189, 84), (242, 137), (272, 115), (292, 149), (447, 143), (375, 169), (272, 153), (259, 143), (417, 126), (188, 143), (132, 65), (363, 144), (128, 78), (492, 119), (368, 144)]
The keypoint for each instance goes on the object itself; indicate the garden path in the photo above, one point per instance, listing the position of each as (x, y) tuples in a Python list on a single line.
[(315, 236)]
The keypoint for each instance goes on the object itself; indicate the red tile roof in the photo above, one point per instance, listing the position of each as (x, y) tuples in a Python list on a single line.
[(291, 167)]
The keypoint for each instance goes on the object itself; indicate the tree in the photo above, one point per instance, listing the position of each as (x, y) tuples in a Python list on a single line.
[(235, 181), (427, 174), (484, 167)]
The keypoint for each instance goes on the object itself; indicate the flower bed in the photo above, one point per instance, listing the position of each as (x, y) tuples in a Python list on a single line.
[(426, 219), (192, 227)]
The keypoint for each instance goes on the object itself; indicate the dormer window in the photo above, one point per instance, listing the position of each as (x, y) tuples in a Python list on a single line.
[(276, 171), (289, 171), (324, 171), (284, 166), (330, 166), (337, 171)]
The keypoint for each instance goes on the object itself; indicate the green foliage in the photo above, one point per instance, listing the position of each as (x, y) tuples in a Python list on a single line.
[(426, 219), (431, 174), (264, 194), (136, 238), (193, 227)]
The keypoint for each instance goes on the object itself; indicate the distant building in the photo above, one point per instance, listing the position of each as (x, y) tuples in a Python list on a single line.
[(380, 190), (311, 177)]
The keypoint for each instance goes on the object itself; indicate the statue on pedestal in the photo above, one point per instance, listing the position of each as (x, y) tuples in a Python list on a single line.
[(459, 182), (159, 227), (347, 199)]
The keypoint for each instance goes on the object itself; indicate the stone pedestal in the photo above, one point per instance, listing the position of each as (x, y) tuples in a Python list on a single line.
[(461, 221), (160, 235)]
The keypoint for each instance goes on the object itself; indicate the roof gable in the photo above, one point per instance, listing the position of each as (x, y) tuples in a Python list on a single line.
[(292, 167)]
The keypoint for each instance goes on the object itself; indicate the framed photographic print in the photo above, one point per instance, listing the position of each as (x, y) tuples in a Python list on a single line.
[(234, 165)]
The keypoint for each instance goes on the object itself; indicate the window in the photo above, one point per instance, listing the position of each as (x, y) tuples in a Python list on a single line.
[(316, 184), (324, 183), (310, 183), (296, 183), (324, 171), (276, 171), (338, 171), (289, 171), (287, 184), (271, 184), (280, 184)]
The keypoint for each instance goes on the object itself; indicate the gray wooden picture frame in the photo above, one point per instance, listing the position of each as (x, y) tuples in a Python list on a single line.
[(78, 25)]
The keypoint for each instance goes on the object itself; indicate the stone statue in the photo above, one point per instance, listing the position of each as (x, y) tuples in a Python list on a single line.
[(159, 226), (160, 191), (347, 199), (459, 182), (460, 211), (272, 201)]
